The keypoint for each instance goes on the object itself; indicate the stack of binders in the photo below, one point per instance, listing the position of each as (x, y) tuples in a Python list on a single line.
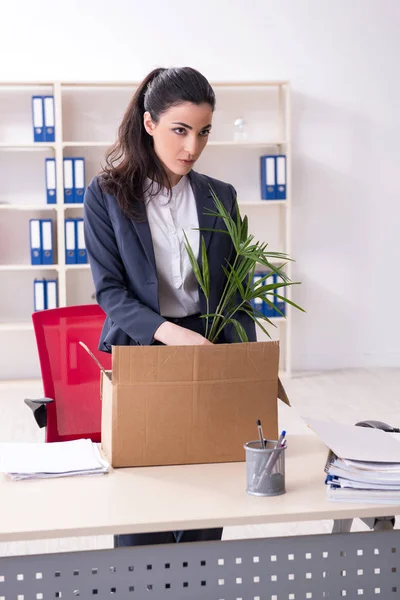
[(362, 481), (45, 294), (278, 305), (74, 180), (75, 248), (43, 118), (273, 177), (363, 463), (41, 240)]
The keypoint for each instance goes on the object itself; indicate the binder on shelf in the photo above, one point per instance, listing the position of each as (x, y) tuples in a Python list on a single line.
[(79, 179), (268, 177), (68, 181), (51, 293), (81, 254), (49, 121), (281, 177), (269, 311), (35, 241), (257, 302), (38, 118), (47, 254), (70, 242), (51, 187), (280, 304), (39, 294)]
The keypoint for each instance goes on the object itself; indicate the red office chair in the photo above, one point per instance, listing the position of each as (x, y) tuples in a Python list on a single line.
[(71, 408)]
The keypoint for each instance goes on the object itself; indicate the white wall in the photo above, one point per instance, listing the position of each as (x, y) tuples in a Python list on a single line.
[(342, 60)]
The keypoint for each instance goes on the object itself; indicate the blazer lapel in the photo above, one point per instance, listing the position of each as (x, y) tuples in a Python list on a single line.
[(204, 202), (143, 230)]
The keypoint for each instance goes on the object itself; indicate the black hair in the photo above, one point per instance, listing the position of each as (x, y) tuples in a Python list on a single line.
[(132, 158)]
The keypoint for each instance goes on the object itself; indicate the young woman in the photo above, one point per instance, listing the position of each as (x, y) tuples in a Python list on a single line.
[(135, 214)]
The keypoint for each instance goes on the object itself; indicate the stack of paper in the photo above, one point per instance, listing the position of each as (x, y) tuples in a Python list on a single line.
[(58, 459), (359, 481), (363, 465)]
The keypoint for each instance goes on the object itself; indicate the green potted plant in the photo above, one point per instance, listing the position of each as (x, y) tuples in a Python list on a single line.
[(240, 288)]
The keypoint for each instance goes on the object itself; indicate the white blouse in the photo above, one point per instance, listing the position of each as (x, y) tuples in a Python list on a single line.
[(168, 218)]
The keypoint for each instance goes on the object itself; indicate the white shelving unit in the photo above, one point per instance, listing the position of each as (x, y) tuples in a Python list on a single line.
[(87, 116)]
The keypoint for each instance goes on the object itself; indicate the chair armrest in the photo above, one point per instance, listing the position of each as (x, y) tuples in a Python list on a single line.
[(38, 407)]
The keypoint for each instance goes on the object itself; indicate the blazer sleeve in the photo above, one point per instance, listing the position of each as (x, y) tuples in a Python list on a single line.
[(118, 302), (242, 317)]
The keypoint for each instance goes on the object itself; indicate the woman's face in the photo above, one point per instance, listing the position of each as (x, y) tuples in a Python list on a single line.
[(180, 136)]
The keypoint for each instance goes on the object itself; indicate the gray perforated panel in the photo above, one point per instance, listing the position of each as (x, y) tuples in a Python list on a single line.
[(293, 568)]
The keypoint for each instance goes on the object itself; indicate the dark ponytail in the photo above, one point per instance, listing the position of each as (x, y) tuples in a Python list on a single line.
[(132, 158)]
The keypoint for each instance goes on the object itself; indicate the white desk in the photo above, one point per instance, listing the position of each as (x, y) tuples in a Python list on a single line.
[(183, 497)]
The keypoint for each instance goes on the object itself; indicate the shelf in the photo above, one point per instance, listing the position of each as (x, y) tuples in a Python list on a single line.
[(28, 206), (277, 320), (28, 146), (263, 203), (77, 267), (28, 268), (87, 144), (32, 207), (227, 143), (248, 144), (25, 84), (21, 326), (85, 115), (119, 84)]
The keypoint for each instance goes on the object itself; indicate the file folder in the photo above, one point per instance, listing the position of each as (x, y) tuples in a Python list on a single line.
[(270, 310), (79, 179), (68, 181), (268, 177), (281, 177), (51, 187), (51, 293), (36, 241), (38, 118), (39, 294), (280, 304), (49, 123), (80, 242), (47, 241), (70, 242), (257, 302)]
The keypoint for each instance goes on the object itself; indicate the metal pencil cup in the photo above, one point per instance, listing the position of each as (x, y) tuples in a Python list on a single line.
[(265, 469)]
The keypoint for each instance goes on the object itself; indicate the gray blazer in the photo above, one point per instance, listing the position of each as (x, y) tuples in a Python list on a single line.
[(121, 257)]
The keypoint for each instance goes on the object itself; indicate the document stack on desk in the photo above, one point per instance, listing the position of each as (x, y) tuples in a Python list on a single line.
[(361, 481), (58, 459), (363, 464)]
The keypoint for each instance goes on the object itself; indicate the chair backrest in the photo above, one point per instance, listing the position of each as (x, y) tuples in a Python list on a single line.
[(70, 376)]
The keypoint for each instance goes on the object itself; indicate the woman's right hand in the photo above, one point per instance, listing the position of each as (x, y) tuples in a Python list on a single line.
[(171, 334)]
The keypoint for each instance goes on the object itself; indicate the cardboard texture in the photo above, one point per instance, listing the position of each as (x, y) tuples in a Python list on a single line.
[(167, 405)]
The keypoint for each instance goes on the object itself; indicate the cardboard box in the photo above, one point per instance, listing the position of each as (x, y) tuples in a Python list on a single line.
[(169, 405)]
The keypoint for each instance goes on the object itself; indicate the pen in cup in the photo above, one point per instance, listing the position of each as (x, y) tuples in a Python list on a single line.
[(274, 456), (261, 434), (261, 460)]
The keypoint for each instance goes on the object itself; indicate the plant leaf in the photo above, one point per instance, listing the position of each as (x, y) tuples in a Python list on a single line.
[(245, 228), (194, 264), (233, 278), (290, 302), (239, 290), (206, 271), (240, 330), (211, 229)]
